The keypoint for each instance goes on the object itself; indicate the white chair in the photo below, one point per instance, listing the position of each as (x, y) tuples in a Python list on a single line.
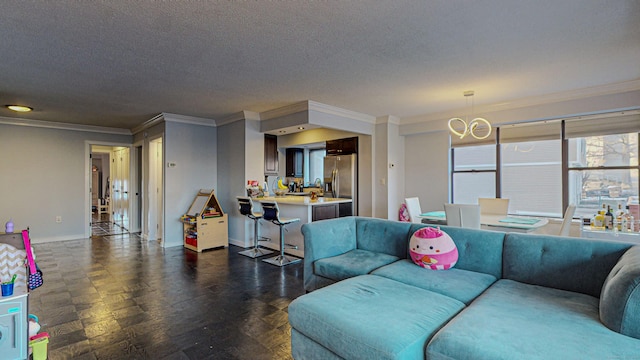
[(463, 215), (494, 206), (413, 208), (566, 220)]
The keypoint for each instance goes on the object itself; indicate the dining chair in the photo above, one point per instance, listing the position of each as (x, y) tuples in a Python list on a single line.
[(413, 208), (494, 206), (463, 215), (566, 220)]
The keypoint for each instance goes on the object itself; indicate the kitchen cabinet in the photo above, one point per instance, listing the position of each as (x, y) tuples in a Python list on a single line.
[(345, 209), (205, 225), (322, 212), (295, 162), (270, 154), (342, 146)]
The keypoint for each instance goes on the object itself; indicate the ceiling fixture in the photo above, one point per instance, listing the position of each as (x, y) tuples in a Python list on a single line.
[(470, 128), (19, 108)]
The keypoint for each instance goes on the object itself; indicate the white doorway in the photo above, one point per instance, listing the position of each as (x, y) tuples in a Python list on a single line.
[(107, 169), (155, 214), (120, 183)]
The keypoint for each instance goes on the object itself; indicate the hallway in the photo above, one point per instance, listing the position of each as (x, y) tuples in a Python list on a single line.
[(116, 297), (102, 226)]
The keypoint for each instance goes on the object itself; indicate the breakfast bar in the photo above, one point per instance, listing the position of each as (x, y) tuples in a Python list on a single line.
[(307, 210)]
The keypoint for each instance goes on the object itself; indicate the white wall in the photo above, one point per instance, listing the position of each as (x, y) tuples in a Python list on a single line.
[(193, 148), (426, 159), (232, 177), (43, 176), (380, 180), (395, 169)]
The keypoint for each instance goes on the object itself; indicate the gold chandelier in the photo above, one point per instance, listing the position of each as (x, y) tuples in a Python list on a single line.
[(471, 127)]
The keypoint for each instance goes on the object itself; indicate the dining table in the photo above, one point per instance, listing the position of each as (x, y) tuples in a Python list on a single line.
[(507, 223)]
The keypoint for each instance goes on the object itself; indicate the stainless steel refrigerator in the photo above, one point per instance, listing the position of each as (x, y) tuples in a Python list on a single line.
[(341, 180)]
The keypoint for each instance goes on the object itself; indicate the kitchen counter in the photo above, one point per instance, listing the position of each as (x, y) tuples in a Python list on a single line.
[(302, 200), (307, 211)]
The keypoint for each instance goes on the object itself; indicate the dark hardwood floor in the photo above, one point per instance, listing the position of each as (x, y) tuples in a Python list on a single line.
[(118, 297)]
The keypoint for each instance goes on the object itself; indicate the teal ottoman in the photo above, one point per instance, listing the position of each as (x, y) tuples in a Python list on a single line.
[(368, 317)]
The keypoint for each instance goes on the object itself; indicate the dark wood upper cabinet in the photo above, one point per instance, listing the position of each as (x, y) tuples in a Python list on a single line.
[(342, 146), (295, 162), (270, 154)]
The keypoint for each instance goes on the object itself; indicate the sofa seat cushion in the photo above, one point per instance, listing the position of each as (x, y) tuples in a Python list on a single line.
[(371, 317), (517, 320), (352, 263), (459, 284)]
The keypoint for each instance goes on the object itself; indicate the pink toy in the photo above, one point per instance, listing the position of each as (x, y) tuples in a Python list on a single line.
[(433, 249)]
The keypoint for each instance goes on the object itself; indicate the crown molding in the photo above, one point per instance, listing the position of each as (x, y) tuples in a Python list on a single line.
[(63, 126), (332, 110), (285, 110), (185, 119), (608, 89), (239, 116), (177, 118), (388, 119), (310, 105), (149, 123)]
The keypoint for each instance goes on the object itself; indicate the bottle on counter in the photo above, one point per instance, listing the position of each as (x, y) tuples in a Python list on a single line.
[(608, 219), (618, 218), (598, 220), (624, 223)]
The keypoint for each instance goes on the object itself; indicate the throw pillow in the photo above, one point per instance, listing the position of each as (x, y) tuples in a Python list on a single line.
[(432, 248)]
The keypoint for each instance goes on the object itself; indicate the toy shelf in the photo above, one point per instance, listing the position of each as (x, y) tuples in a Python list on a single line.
[(205, 225)]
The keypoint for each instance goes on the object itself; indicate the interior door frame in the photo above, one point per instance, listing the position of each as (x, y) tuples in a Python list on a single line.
[(87, 179), (153, 228)]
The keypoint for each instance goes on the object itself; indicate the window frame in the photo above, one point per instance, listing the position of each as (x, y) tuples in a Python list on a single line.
[(566, 169)]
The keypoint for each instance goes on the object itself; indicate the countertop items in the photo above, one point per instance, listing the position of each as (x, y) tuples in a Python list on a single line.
[(304, 200)]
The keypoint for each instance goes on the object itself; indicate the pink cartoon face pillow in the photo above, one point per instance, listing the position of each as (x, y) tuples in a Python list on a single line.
[(433, 249)]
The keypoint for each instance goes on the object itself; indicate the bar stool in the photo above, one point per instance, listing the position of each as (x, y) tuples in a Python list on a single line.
[(246, 208), (271, 212)]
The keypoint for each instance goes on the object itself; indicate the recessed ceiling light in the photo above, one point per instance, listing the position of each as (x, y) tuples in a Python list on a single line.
[(19, 108), (300, 128)]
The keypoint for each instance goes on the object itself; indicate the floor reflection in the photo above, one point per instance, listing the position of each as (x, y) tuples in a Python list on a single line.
[(123, 298)]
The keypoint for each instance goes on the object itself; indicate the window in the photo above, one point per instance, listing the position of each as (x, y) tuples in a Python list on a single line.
[(316, 166), (474, 173), (540, 173), (602, 170), (532, 177)]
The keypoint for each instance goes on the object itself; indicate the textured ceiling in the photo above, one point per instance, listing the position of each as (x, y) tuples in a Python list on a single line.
[(119, 63)]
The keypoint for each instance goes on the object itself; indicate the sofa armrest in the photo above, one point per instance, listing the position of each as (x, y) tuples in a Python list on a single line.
[(323, 239), (620, 297)]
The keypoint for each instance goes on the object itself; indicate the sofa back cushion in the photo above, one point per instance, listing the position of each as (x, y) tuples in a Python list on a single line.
[(572, 264), (383, 236), (478, 250), (620, 299)]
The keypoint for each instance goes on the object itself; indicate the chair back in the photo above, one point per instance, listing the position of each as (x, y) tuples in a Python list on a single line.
[(566, 220), (245, 205), (270, 211), (494, 206), (413, 208), (463, 215)]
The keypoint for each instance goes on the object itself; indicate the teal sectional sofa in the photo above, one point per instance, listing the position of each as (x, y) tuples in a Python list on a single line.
[(510, 296)]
